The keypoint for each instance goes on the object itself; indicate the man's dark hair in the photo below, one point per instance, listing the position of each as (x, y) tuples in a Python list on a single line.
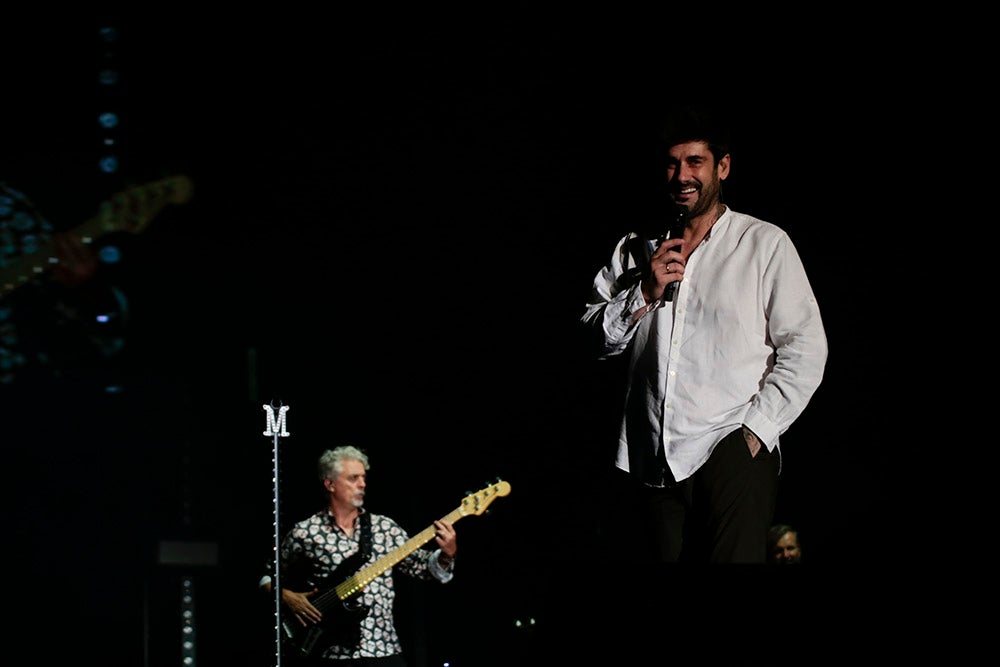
[(776, 531), (694, 122)]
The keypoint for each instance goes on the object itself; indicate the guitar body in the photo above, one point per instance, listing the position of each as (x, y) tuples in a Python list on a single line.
[(341, 624)]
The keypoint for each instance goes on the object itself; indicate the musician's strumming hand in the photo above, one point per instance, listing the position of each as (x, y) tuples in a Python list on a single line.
[(301, 607)]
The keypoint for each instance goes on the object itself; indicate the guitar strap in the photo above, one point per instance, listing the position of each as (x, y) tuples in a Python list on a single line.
[(365, 539)]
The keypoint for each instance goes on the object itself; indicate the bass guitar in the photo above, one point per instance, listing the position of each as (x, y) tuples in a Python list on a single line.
[(340, 605)]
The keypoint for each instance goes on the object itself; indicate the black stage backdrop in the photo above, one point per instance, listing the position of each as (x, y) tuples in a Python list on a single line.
[(394, 228)]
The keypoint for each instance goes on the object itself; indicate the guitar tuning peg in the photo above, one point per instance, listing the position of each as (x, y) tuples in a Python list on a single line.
[(468, 493)]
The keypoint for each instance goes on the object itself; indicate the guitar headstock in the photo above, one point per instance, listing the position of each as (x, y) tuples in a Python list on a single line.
[(476, 503), (131, 210)]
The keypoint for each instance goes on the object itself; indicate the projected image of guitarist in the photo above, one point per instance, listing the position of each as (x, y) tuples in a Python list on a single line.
[(336, 571), (63, 312)]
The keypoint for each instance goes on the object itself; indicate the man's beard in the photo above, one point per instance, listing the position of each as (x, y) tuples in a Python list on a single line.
[(708, 194)]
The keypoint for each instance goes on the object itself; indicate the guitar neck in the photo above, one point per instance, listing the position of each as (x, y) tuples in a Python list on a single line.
[(363, 577), (128, 211)]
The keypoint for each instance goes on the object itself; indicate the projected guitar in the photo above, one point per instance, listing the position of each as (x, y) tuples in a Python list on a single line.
[(342, 610), (128, 211)]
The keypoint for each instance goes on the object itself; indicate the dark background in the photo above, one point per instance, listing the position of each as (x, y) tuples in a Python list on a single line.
[(394, 230)]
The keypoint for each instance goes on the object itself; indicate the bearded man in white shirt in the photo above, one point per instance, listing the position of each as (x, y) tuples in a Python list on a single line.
[(725, 348)]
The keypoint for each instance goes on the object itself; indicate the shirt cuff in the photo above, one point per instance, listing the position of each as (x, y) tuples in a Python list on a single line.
[(436, 566)]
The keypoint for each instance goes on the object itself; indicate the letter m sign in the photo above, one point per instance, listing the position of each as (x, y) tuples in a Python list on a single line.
[(279, 426)]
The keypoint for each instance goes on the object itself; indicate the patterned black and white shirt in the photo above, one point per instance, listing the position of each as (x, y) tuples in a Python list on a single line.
[(315, 547)]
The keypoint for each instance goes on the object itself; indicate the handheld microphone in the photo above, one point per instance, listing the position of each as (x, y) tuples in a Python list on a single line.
[(675, 231)]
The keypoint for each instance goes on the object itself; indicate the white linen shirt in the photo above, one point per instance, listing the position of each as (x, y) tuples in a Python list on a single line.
[(742, 343)]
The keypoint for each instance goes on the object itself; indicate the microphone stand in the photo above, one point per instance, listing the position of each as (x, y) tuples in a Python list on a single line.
[(277, 429)]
